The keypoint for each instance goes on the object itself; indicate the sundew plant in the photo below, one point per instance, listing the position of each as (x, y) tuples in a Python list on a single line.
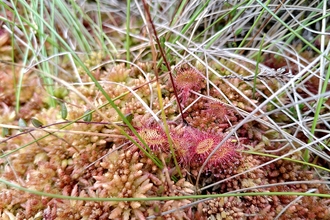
[(164, 109)]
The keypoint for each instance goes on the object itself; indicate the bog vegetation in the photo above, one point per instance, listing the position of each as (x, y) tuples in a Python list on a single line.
[(164, 109)]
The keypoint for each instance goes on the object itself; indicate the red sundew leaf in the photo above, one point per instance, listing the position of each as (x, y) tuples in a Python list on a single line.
[(194, 146), (217, 109), (153, 136), (225, 156), (188, 79), (201, 144)]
